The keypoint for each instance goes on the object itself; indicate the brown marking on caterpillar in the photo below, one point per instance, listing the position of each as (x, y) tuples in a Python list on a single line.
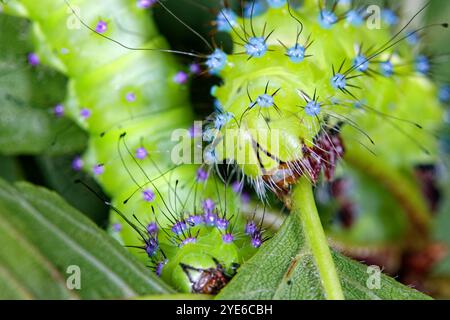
[(323, 156), (211, 281)]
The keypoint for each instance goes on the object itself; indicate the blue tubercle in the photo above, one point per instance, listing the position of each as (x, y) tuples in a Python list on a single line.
[(216, 61), (355, 17), (296, 53), (444, 94), (361, 63), (254, 9), (209, 157), (413, 38), (213, 90), (339, 81), (222, 119), (276, 3), (256, 47), (209, 135), (390, 17), (327, 19), (313, 108), (359, 104), (423, 65), (226, 20), (218, 106), (265, 101), (387, 68)]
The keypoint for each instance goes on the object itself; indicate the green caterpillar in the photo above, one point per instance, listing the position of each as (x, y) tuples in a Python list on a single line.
[(130, 101), (304, 83), (296, 97)]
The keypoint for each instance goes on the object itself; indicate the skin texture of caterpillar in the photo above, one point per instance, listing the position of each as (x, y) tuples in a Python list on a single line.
[(177, 218), (306, 85)]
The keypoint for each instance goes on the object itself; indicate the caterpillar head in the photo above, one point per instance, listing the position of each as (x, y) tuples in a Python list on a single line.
[(302, 82)]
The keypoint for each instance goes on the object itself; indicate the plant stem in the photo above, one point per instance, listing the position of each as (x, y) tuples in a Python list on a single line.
[(305, 207)]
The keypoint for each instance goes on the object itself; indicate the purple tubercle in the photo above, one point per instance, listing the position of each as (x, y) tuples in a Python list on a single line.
[(77, 163), (148, 195), (210, 219), (194, 220), (85, 113), (228, 238), (159, 267), (98, 169), (188, 240), (33, 59), (130, 97), (256, 241), (250, 228), (237, 186), (58, 110), (195, 68), (222, 223), (245, 198), (145, 4), (102, 26), (179, 227), (202, 175), (195, 131), (117, 227), (141, 153), (152, 228), (208, 206), (151, 247), (181, 77)]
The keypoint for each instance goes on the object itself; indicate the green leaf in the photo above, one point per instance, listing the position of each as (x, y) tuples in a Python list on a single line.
[(284, 269), (41, 236)]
